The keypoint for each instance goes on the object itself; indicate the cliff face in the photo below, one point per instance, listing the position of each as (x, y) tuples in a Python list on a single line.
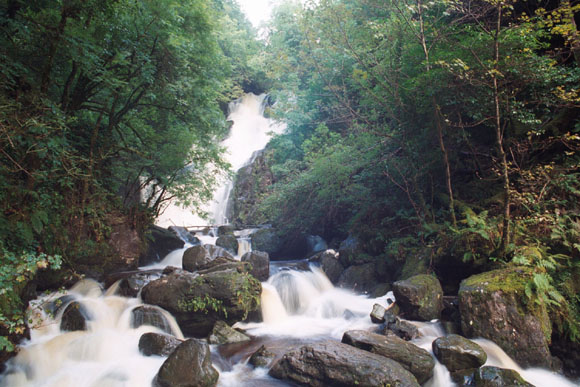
[(251, 183)]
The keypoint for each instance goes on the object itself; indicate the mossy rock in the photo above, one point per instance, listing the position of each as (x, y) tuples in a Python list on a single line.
[(419, 297), (493, 305)]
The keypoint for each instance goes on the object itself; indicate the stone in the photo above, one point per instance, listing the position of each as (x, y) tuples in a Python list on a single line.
[(160, 243), (493, 305), (350, 252), (225, 229), (158, 344), (185, 235), (378, 314), (75, 317), (330, 264), (267, 240), (414, 359), (125, 243), (198, 256), (419, 297), (198, 301), (188, 365), (400, 328), (228, 242), (458, 353), (260, 262), (359, 278), (262, 357), (330, 363), (150, 315), (222, 333), (131, 285), (498, 377)]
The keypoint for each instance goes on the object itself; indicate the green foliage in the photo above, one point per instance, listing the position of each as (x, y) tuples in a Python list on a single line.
[(203, 304)]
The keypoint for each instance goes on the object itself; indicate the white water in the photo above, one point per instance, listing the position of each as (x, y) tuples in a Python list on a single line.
[(250, 132)]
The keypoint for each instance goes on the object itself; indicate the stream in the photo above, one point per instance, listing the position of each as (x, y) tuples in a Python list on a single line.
[(299, 305)]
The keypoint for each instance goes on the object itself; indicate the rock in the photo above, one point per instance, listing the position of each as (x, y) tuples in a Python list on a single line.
[(224, 264), (185, 235), (419, 297), (464, 377), (329, 264), (498, 377), (75, 317), (225, 229), (400, 328), (315, 244), (360, 278), (378, 314), (330, 363), (188, 365), (53, 307), (267, 240), (222, 333), (350, 252), (458, 353), (260, 262), (198, 256), (157, 344), (125, 243), (262, 357), (414, 359), (493, 305), (228, 242), (150, 315), (198, 301), (160, 243), (132, 285)]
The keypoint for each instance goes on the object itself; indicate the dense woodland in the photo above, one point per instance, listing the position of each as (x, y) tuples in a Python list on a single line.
[(443, 129)]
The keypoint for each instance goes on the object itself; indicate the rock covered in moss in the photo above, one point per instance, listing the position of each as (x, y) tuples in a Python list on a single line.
[(458, 353), (493, 305), (228, 242), (267, 240), (419, 297), (498, 377), (222, 333), (198, 256)]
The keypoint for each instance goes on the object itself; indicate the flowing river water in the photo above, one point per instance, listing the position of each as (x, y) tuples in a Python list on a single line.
[(299, 304)]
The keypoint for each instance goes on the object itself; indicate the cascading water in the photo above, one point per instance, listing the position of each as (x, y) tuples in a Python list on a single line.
[(249, 133)]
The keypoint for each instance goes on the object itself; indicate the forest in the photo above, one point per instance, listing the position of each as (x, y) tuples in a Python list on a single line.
[(443, 136)]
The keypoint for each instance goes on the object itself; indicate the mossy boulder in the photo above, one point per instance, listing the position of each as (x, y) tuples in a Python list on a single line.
[(200, 256), (419, 297), (228, 242), (260, 262), (267, 240), (458, 353), (493, 305), (498, 377)]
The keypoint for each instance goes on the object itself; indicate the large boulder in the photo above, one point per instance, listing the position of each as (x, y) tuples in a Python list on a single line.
[(351, 252), (330, 363), (400, 328), (198, 256), (160, 243), (158, 344), (361, 278), (267, 240), (228, 242), (329, 263), (260, 262), (419, 297), (458, 353), (125, 243), (498, 377), (493, 305), (185, 235), (188, 366), (131, 283), (414, 359), (222, 333), (198, 301)]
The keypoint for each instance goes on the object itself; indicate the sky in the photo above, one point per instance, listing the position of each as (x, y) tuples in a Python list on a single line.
[(257, 11)]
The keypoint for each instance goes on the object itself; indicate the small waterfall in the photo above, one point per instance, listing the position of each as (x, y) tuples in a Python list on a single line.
[(244, 241)]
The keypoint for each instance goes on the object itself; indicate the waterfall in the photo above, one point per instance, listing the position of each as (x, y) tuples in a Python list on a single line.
[(249, 133)]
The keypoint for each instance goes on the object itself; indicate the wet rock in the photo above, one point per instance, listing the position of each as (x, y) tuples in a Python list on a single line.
[(350, 252), (131, 282), (158, 344), (125, 243), (262, 357), (498, 377), (419, 297), (198, 301), (414, 359), (222, 333), (378, 314), (315, 244), (160, 243), (493, 305), (400, 328), (260, 262), (359, 278), (228, 242), (224, 264), (53, 307), (150, 315), (185, 235), (188, 365), (198, 256), (464, 378), (75, 317), (458, 353), (267, 240), (329, 264), (226, 229), (331, 363)]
